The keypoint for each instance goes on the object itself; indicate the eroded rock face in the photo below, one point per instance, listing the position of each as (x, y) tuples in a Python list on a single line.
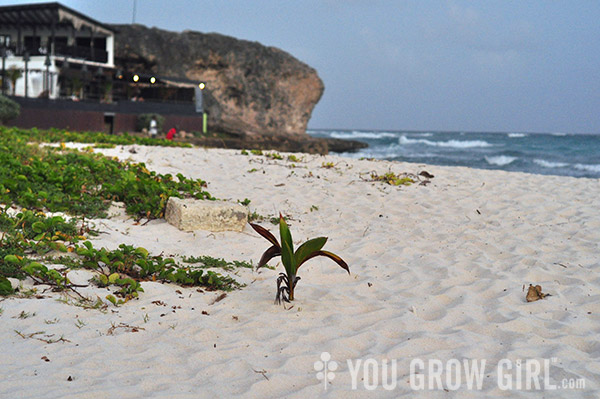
[(251, 88)]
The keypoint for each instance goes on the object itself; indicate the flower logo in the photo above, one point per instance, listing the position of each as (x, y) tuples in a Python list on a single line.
[(325, 368)]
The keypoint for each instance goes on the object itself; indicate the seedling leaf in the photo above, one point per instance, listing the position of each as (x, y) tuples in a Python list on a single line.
[(269, 254), (266, 234), (307, 248), (329, 255), (287, 247)]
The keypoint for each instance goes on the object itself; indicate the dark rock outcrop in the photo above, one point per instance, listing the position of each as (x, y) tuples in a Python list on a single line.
[(251, 89), (305, 143)]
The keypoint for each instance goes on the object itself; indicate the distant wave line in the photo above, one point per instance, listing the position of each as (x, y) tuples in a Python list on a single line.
[(449, 143), (549, 164), (362, 135), (590, 168)]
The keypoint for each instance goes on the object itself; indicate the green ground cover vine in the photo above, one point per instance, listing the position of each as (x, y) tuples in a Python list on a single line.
[(82, 184), (104, 139)]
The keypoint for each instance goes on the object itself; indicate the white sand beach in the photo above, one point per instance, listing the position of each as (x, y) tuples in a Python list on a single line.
[(438, 271)]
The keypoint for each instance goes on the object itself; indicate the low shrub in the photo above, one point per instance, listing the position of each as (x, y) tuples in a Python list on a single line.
[(8, 109)]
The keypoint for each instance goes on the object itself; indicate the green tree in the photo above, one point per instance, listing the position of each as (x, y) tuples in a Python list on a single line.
[(14, 74)]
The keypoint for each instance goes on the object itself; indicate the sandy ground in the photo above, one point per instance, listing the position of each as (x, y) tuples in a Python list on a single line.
[(437, 273)]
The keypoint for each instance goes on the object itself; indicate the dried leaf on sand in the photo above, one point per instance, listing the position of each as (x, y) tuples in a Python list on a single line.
[(535, 293)]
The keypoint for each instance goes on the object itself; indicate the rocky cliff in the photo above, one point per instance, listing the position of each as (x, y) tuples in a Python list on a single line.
[(250, 89)]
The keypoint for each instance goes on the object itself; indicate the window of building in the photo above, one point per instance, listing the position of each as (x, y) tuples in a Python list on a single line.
[(33, 43), (5, 40)]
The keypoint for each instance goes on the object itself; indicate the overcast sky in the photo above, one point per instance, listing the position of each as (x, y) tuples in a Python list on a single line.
[(494, 65)]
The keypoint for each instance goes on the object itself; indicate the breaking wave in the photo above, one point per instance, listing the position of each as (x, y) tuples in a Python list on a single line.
[(361, 135), (588, 168), (449, 143), (548, 164), (500, 160)]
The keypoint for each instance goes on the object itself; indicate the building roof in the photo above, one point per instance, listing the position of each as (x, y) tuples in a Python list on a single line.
[(44, 14)]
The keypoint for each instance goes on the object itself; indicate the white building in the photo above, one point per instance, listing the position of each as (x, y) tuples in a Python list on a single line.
[(58, 51)]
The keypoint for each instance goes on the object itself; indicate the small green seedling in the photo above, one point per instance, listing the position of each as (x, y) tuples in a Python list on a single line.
[(274, 155), (392, 179), (292, 260), (245, 202)]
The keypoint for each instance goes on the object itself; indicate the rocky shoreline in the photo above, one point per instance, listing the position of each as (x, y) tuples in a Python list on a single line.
[(286, 143)]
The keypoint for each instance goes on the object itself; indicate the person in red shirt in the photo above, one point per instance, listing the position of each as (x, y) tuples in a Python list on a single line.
[(171, 133)]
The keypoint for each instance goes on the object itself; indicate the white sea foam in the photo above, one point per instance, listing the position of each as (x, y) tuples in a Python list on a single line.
[(422, 134), (549, 164), (420, 155), (449, 143), (500, 160), (361, 135), (516, 135), (589, 168)]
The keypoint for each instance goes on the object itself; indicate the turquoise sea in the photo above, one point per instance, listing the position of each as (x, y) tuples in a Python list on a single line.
[(562, 154)]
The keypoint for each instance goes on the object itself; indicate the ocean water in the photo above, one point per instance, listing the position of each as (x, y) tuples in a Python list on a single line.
[(561, 154)]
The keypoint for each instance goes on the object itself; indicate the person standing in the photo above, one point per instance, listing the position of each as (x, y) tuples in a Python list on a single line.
[(171, 133), (153, 128)]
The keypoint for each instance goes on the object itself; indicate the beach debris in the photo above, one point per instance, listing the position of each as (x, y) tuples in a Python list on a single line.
[(191, 214), (263, 372), (69, 378), (219, 298), (127, 327), (45, 358), (534, 293), (286, 282), (47, 340), (426, 174)]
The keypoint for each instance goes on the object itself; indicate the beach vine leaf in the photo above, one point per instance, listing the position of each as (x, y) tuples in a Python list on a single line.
[(292, 260)]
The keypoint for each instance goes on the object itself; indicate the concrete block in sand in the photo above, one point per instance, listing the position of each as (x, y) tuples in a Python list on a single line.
[(192, 214)]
